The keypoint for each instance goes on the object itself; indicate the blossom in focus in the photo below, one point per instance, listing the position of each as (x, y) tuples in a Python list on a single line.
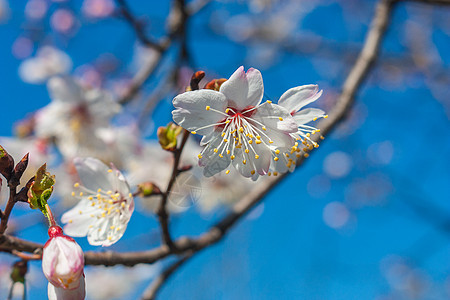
[(105, 203), (237, 128), (76, 117), (293, 100), (62, 260)]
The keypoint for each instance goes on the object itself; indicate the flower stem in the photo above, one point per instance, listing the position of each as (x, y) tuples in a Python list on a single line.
[(49, 215)]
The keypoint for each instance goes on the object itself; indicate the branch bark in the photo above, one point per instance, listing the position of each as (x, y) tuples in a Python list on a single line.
[(152, 290)]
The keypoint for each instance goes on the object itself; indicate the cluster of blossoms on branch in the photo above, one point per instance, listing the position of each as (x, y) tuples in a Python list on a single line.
[(257, 138)]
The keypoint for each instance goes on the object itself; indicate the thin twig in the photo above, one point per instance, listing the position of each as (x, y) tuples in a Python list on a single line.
[(155, 286)]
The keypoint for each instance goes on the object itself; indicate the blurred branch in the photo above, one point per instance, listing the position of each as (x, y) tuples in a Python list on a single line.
[(137, 26), (177, 20), (155, 286)]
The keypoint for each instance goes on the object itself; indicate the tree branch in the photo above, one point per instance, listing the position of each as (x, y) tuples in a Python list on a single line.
[(163, 214), (137, 26), (155, 286), (8, 209)]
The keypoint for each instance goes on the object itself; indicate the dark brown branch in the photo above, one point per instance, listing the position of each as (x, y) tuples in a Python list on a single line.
[(155, 286), (8, 209), (162, 212)]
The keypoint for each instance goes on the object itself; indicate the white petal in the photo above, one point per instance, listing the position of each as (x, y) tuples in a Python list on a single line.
[(279, 139), (191, 113), (65, 89), (263, 162), (269, 114), (307, 115), (97, 235), (78, 224), (211, 160), (120, 184), (280, 165), (101, 104), (108, 230), (208, 138), (94, 174), (244, 89), (247, 168), (55, 293), (294, 99)]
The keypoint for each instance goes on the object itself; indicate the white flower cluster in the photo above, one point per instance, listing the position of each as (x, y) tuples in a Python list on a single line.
[(238, 129)]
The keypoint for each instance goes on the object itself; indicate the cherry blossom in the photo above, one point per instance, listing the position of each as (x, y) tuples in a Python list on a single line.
[(105, 205), (294, 100), (76, 117), (237, 128)]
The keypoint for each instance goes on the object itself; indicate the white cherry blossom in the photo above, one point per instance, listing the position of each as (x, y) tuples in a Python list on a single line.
[(294, 100), (237, 128), (47, 62), (76, 117), (105, 206)]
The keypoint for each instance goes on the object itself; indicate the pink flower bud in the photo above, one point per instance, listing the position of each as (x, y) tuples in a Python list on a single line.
[(62, 260)]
